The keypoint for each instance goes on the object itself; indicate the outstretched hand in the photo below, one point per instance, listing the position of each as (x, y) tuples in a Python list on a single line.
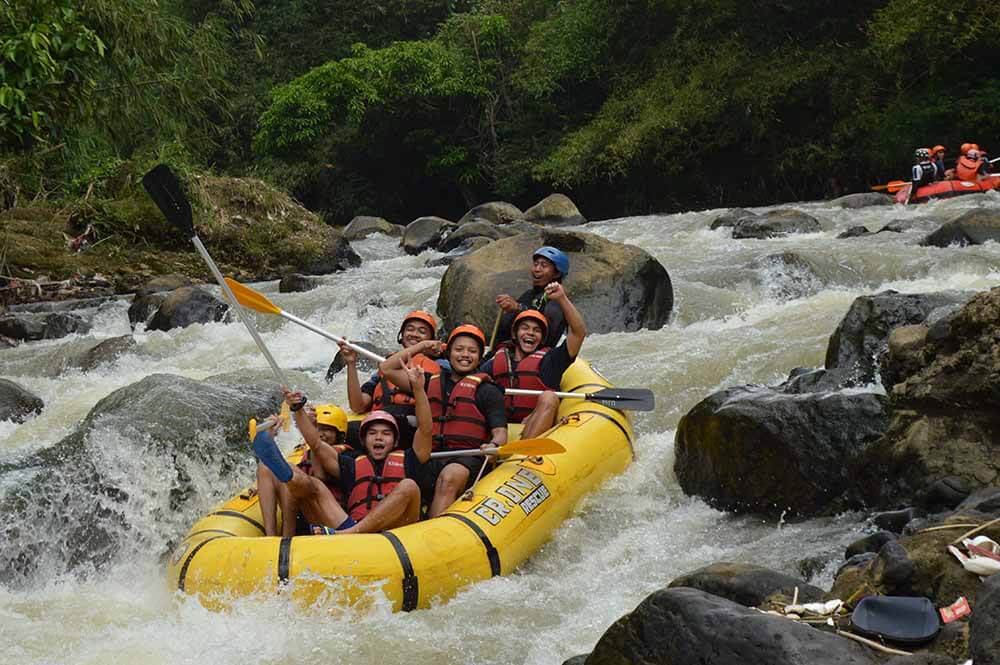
[(507, 304), (295, 398), (555, 291), (416, 376)]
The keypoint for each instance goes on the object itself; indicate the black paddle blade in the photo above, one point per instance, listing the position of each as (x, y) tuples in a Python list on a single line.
[(624, 399), (163, 187)]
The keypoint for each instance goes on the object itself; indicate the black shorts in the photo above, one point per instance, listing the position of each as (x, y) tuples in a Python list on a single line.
[(430, 471)]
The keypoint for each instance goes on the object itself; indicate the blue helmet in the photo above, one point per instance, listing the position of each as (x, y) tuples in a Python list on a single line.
[(556, 256)]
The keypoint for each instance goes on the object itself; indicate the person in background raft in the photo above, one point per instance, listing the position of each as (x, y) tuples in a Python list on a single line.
[(378, 393), (970, 166), (937, 157), (525, 362), (924, 171), (331, 423), (548, 265), (467, 409)]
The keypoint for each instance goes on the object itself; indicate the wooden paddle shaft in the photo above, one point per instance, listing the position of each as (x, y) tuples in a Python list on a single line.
[(239, 310), (336, 338)]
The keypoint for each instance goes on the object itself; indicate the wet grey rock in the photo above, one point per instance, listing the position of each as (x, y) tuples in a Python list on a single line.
[(746, 584), (863, 200), (468, 246), (163, 284), (894, 568), (817, 381), (683, 626), (365, 365), (974, 227), (30, 326), (872, 543), (62, 305), (905, 354), (337, 255), (495, 212), (555, 210), (362, 227), (896, 520), (143, 308), (186, 306), (775, 224), (102, 353), (861, 338), (913, 224), (472, 230), (759, 449), (17, 402), (787, 275), (731, 218), (858, 561), (296, 283), (854, 232), (577, 660), (985, 500), (984, 627), (424, 233), (945, 494)]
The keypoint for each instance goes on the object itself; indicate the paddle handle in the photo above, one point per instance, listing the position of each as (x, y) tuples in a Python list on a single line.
[(336, 338), (476, 452), (239, 310)]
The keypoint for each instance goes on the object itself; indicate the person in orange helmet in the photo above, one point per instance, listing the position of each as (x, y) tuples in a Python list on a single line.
[(970, 165), (378, 393), (467, 408), (937, 158)]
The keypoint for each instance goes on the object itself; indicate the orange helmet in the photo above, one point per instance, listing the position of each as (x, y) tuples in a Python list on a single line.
[(936, 149), (471, 331), (533, 315), (966, 147), (418, 315)]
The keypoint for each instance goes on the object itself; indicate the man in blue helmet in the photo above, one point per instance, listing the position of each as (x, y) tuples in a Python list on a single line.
[(548, 265)]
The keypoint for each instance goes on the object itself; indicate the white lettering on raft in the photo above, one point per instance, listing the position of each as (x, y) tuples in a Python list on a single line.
[(524, 488)]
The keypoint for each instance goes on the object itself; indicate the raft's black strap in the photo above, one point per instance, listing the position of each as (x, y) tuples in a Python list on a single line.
[(284, 559), (491, 552), (187, 562), (411, 586), (239, 515)]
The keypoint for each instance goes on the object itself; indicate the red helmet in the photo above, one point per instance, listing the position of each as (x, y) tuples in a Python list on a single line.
[(532, 315), (379, 417), (471, 331), (936, 149), (418, 315), (966, 147)]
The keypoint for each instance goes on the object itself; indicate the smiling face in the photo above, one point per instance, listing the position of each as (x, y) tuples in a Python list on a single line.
[(543, 271), (329, 434), (415, 331), (529, 335), (380, 439), (464, 354)]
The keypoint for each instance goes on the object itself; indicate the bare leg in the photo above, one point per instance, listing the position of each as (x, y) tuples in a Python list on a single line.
[(543, 417), (400, 508), (450, 483), (289, 509), (315, 500), (267, 488)]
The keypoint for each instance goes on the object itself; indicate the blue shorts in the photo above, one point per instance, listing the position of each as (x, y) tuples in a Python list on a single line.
[(321, 530)]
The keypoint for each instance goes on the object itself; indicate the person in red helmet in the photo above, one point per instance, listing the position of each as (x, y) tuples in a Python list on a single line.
[(526, 362), (937, 158), (466, 407), (380, 393)]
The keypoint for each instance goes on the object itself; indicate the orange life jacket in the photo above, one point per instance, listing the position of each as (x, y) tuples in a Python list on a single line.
[(459, 424), (526, 375), (371, 486), (395, 395), (967, 169)]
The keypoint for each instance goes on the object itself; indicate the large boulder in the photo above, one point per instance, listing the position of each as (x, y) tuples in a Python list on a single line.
[(296, 283), (775, 224), (864, 200), (31, 326), (129, 477), (860, 339), (495, 212), (17, 402), (971, 228), (104, 352), (616, 287), (477, 229), (788, 275), (555, 210), (335, 255), (144, 307), (731, 218), (362, 227), (984, 629), (759, 449), (185, 306), (746, 583), (163, 284), (424, 233), (683, 626), (944, 421)]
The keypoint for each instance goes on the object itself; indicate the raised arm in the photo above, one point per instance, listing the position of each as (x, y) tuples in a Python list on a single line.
[(394, 367), (358, 400), (325, 454), (422, 438), (576, 328)]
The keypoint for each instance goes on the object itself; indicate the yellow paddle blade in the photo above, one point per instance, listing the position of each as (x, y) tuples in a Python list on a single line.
[(254, 300), (286, 416), (532, 447), (253, 429)]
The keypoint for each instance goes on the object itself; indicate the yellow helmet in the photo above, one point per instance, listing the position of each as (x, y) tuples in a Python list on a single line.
[(332, 415)]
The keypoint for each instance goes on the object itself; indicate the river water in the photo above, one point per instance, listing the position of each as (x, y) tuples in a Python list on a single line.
[(736, 320)]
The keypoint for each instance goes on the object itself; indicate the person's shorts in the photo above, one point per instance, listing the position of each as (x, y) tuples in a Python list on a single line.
[(430, 471)]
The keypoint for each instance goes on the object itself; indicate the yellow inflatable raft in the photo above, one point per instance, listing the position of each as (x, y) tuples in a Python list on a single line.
[(513, 511)]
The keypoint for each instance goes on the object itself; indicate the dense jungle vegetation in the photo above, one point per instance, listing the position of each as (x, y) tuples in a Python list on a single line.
[(408, 107)]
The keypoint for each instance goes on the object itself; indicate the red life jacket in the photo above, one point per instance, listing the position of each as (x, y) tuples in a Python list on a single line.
[(967, 169), (525, 375), (333, 484), (459, 424), (370, 487), (387, 393)]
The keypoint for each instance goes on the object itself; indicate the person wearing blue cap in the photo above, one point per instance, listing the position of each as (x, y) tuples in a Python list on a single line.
[(548, 265)]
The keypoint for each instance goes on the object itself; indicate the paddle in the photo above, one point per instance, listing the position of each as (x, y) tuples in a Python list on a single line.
[(527, 447), (496, 329), (165, 190), (258, 302), (623, 399)]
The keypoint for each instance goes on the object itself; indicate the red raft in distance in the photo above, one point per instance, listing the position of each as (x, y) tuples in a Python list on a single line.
[(946, 188)]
